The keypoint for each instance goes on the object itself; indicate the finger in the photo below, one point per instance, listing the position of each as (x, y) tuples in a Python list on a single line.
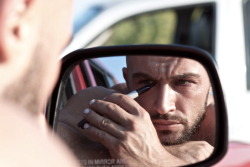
[(111, 110), (126, 102), (103, 123), (100, 136)]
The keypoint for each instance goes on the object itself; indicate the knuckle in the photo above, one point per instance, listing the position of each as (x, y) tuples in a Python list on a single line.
[(132, 125), (111, 107), (117, 97), (130, 121), (203, 144), (104, 123), (145, 115), (101, 135)]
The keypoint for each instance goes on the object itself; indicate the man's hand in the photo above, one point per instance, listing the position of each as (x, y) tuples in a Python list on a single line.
[(125, 128), (71, 115)]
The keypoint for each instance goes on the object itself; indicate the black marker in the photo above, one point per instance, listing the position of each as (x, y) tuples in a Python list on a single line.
[(134, 94)]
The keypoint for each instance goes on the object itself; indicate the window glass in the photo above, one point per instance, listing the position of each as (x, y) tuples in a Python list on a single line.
[(192, 25)]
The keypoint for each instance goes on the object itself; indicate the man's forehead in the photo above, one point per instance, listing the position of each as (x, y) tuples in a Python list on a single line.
[(161, 63), (152, 58), (164, 67)]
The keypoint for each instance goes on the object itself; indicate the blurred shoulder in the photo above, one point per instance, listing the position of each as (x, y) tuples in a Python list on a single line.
[(23, 143)]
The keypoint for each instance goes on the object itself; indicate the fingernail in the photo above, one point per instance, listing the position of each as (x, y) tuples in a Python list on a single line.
[(86, 111), (86, 126), (91, 101)]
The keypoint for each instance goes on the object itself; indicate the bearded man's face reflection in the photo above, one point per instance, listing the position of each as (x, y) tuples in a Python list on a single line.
[(177, 103)]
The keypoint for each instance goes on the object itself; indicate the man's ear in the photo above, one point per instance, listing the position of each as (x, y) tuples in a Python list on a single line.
[(14, 29), (125, 74)]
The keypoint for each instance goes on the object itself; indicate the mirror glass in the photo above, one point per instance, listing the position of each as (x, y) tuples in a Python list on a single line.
[(146, 110)]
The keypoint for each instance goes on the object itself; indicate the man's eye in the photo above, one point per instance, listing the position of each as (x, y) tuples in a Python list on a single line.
[(183, 82), (145, 82)]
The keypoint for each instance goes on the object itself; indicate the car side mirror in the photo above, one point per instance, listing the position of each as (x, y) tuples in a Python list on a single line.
[(176, 86)]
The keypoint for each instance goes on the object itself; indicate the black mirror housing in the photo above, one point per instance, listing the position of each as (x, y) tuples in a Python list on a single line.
[(181, 51)]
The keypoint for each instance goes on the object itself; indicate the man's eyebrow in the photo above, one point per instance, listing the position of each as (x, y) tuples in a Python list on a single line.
[(141, 75), (185, 75)]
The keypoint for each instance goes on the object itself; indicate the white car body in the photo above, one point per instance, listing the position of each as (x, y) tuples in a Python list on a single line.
[(230, 50)]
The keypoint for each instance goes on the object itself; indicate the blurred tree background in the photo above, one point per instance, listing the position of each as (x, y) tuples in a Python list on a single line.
[(190, 25), (156, 27)]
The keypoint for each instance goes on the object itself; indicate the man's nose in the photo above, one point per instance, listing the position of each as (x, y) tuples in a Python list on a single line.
[(166, 100)]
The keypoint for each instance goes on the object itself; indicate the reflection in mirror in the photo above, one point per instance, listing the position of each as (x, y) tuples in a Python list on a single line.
[(172, 123)]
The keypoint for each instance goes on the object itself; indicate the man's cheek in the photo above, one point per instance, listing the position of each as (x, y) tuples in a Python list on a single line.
[(144, 103)]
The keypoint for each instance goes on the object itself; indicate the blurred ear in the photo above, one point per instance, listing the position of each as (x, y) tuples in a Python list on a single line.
[(14, 29), (125, 76)]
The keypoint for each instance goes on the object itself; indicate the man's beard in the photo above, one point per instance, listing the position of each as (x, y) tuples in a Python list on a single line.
[(25, 91), (188, 132)]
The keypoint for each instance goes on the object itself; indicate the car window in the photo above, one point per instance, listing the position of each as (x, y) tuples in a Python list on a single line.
[(86, 74), (246, 9), (192, 25), (101, 75)]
